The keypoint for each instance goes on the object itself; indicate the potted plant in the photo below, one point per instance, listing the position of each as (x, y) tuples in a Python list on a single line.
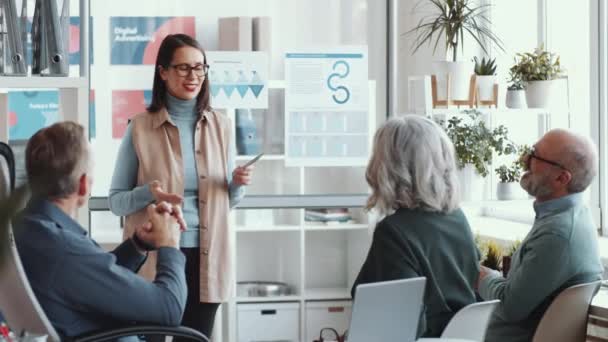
[(486, 78), (508, 188), (493, 255), (537, 70), (449, 22), (516, 94), (508, 255), (475, 143)]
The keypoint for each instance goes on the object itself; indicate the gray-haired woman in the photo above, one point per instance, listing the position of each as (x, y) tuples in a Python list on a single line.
[(413, 181)]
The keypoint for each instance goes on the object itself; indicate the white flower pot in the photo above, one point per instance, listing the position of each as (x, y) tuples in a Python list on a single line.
[(460, 79), (538, 93), (485, 87), (509, 191), (516, 99), (472, 185)]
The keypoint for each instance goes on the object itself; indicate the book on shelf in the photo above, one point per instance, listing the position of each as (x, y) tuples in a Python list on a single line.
[(327, 215)]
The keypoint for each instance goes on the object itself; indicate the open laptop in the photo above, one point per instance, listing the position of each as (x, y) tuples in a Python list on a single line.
[(387, 311)]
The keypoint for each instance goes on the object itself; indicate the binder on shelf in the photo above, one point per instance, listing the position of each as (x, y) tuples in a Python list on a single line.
[(261, 34), (13, 57), (48, 39), (235, 34)]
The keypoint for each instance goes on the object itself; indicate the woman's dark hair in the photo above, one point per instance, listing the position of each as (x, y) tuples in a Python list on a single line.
[(165, 55)]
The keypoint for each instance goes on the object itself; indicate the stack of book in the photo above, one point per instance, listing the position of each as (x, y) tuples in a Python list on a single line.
[(327, 215)]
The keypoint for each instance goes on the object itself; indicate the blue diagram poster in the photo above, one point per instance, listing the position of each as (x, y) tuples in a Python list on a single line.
[(136, 40), (30, 111), (238, 79), (327, 107)]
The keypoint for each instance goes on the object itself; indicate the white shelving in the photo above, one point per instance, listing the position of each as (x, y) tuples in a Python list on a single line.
[(275, 299), (43, 82), (256, 229), (335, 226), (74, 92), (332, 293), (274, 242), (265, 157)]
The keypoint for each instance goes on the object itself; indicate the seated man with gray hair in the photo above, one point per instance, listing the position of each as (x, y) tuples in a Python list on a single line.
[(412, 174), (561, 248), (80, 286)]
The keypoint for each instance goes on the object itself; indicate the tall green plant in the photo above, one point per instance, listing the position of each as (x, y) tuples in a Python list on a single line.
[(452, 19)]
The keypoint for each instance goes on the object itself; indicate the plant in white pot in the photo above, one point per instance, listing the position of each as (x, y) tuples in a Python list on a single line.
[(508, 188), (516, 94), (450, 21), (474, 144), (537, 70), (486, 78)]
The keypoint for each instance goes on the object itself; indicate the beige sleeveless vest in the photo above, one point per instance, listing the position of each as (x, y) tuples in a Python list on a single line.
[(157, 145)]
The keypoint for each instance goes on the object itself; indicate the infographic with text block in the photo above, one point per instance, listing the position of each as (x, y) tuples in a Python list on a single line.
[(238, 79), (326, 106)]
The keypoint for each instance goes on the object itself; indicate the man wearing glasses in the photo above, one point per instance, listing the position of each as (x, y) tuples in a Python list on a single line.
[(561, 248)]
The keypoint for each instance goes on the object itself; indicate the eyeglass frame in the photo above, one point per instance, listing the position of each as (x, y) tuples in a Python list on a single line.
[(532, 154), (191, 69)]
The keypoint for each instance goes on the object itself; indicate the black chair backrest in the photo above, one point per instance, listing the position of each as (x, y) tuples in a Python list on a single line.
[(7, 153)]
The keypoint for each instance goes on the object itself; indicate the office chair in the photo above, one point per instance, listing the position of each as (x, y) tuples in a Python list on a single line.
[(566, 318), (18, 302), (470, 322)]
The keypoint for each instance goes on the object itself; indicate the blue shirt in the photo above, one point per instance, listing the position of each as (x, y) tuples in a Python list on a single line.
[(560, 251), (126, 198), (83, 288)]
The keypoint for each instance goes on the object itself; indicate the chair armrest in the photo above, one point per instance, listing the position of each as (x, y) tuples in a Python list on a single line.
[(108, 335)]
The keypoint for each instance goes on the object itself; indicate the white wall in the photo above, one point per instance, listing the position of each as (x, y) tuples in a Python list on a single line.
[(295, 23)]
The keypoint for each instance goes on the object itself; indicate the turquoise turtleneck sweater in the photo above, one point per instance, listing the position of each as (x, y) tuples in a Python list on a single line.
[(126, 198)]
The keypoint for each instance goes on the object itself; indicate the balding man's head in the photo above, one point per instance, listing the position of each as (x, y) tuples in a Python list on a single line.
[(577, 153)]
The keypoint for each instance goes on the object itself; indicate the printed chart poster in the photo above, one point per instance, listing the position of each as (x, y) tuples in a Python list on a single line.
[(238, 79), (136, 40), (126, 104), (327, 107), (29, 111)]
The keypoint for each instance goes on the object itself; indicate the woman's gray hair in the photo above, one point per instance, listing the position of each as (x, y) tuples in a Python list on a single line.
[(412, 166)]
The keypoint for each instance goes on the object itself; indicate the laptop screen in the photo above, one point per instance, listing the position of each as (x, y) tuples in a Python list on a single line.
[(387, 311)]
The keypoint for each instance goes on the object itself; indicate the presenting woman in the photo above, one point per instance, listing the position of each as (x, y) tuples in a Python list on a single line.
[(412, 175), (180, 151)]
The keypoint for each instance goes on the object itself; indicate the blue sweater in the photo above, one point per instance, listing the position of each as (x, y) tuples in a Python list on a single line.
[(126, 198), (82, 288)]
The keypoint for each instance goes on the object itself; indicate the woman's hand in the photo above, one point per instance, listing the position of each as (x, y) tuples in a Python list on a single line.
[(242, 175), (161, 195)]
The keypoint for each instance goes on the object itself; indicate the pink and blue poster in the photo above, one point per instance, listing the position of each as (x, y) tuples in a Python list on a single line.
[(136, 40), (126, 104), (29, 111)]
